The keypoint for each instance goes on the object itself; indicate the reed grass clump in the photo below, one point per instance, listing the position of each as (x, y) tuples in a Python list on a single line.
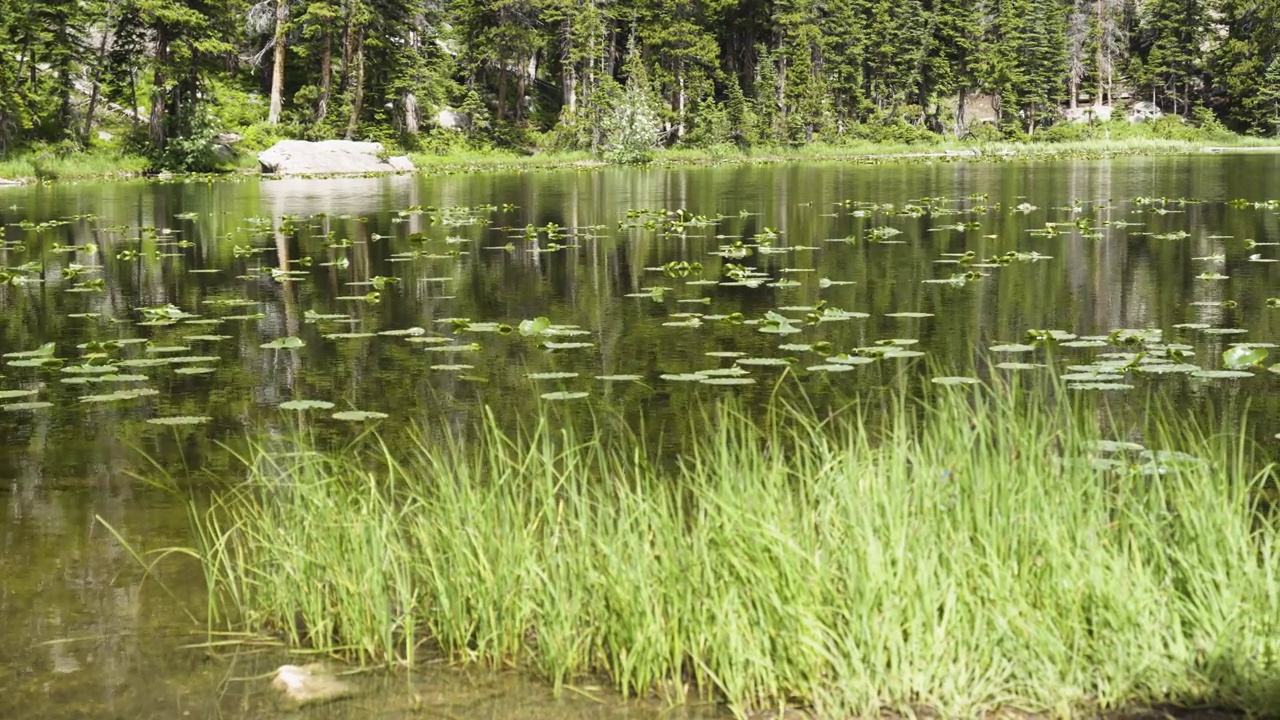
[(963, 555)]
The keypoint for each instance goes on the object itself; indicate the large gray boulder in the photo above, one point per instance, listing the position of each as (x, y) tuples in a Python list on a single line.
[(329, 157)]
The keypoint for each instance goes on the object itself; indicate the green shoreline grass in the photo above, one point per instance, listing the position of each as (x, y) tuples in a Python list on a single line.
[(106, 165), (960, 556)]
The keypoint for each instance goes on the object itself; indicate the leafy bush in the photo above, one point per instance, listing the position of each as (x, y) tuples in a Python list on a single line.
[(632, 132)]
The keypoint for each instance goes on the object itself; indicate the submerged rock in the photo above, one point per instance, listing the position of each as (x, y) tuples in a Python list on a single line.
[(300, 157), (310, 684)]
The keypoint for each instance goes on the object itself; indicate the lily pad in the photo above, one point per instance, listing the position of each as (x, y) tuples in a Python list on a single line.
[(552, 375), (180, 420), (359, 415), (1012, 348), (284, 343), (956, 380), (619, 378), (11, 394), (33, 405), (306, 405), (564, 395), (1221, 374), (194, 370)]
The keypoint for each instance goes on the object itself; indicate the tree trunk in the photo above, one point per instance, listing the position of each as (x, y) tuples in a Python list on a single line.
[(502, 94), (357, 102), (97, 75), (569, 71), (411, 122), (326, 77), (277, 69), (155, 121)]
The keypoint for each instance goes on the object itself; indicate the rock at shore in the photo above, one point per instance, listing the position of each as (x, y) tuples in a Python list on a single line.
[(4, 182), (329, 157)]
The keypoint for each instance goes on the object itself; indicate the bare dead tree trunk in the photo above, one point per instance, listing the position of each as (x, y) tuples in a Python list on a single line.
[(357, 102), (97, 78), (411, 121), (277, 68), (155, 121), (326, 77)]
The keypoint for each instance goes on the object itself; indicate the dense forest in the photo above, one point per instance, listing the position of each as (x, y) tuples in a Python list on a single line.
[(166, 75)]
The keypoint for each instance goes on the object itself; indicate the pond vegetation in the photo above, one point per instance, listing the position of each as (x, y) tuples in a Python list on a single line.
[(988, 547), (847, 438)]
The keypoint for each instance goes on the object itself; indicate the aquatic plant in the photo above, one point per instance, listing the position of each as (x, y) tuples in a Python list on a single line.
[(989, 547)]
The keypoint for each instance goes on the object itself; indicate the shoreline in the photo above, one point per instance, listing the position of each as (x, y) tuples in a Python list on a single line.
[(505, 161)]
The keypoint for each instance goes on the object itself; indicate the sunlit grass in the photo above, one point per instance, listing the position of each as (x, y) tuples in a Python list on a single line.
[(49, 166), (960, 555)]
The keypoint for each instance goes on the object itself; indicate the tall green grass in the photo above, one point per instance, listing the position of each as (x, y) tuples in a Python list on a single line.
[(961, 555)]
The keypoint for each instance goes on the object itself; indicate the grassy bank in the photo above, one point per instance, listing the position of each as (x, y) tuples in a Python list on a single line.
[(109, 164), (980, 551)]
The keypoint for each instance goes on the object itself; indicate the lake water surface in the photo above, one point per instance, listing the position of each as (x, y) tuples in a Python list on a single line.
[(398, 291)]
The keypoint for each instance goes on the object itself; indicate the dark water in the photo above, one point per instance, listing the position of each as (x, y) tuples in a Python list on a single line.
[(85, 635)]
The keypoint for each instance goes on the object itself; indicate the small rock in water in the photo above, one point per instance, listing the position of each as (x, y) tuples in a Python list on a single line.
[(309, 684)]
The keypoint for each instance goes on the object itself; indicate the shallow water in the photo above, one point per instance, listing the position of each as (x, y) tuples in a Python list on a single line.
[(84, 634)]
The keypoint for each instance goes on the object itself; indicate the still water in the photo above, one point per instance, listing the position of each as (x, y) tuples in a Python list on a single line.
[(394, 295)]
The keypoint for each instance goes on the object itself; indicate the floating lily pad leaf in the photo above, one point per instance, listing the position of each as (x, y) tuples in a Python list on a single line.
[(725, 354), (1167, 368), (727, 381), (1012, 348), (565, 331), (1099, 386), (194, 370), (1115, 446), (33, 405), (84, 315), (358, 415), (564, 395), (144, 362), (284, 343), (1225, 331), (1274, 368), (909, 315), (567, 345), (619, 378), (683, 377), (35, 362), (1085, 343), (164, 349), (763, 362), (428, 340), (254, 316), (453, 368), (89, 369), (846, 359), (831, 368), (349, 336), (1019, 366), (552, 375), (795, 347), (900, 354), (192, 359), (180, 420), (120, 395), (44, 351), (1221, 374), (11, 394), (536, 326), (469, 347), (956, 380), (405, 332), (311, 316), (306, 405), (207, 338), (1243, 356), (734, 371), (1090, 376), (1192, 326)]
